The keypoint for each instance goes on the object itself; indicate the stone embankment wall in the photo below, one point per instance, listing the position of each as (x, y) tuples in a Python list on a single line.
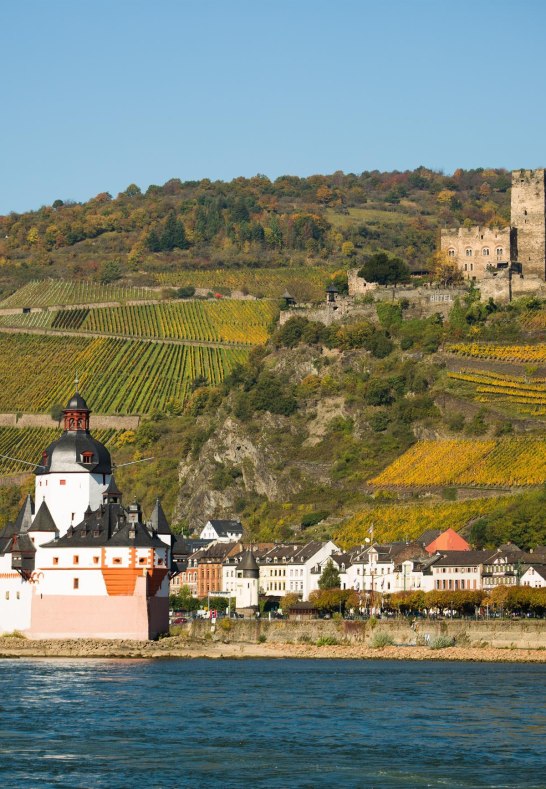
[(520, 634)]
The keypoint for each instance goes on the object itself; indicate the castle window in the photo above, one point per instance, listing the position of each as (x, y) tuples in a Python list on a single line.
[(75, 560), (466, 266), (117, 560), (87, 457), (95, 559), (55, 560), (76, 583), (451, 252), (7, 595), (485, 252), (142, 560), (18, 595), (499, 252), (468, 253), (62, 482)]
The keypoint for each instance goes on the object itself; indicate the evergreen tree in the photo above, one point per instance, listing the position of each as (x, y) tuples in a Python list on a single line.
[(329, 578), (173, 235)]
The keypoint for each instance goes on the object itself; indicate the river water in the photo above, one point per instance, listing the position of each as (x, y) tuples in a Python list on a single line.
[(271, 723)]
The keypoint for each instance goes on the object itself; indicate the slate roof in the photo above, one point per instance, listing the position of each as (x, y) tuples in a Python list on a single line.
[(186, 547), (224, 528), (248, 562), (463, 558), (108, 525), (6, 536), (428, 536), (77, 403), (24, 518), (43, 520), (158, 520)]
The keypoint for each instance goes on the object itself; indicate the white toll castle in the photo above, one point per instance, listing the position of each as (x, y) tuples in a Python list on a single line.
[(81, 564)]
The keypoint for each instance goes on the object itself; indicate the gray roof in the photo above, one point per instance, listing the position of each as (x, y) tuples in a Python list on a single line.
[(185, 547), (43, 520), (77, 403), (248, 562), (108, 525), (65, 454), (24, 518), (224, 527), (158, 520), (463, 558)]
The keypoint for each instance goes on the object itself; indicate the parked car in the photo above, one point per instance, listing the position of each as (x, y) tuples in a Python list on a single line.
[(179, 620)]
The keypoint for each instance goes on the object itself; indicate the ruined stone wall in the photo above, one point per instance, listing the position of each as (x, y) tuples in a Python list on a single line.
[(474, 248), (528, 216), (358, 285)]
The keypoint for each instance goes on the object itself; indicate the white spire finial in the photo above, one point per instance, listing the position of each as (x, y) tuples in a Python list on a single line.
[(76, 381)]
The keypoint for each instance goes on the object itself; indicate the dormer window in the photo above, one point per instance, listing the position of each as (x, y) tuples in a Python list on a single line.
[(87, 457)]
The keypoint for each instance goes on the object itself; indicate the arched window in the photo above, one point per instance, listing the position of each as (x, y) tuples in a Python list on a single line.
[(468, 252), (451, 252), (499, 252), (485, 252)]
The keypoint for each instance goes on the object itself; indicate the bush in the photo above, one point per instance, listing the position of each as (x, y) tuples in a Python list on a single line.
[(262, 638), (442, 642), (312, 518), (327, 641), (186, 292), (381, 639)]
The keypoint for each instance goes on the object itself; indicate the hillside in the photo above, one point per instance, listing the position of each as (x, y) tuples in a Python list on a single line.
[(190, 233), (166, 303)]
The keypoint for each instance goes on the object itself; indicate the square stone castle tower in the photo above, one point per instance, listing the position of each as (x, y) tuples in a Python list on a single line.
[(528, 221), (480, 251)]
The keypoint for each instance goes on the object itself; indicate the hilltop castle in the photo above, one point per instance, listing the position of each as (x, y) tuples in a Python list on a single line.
[(516, 253), (82, 564)]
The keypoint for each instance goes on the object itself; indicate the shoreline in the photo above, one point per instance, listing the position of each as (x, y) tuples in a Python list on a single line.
[(177, 648)]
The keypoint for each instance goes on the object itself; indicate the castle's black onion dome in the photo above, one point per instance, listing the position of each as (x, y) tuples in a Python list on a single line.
[(77, 403)]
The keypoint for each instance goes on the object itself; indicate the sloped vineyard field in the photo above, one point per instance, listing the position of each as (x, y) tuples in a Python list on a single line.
[(49, 293), (505, 353), (229, 321), (528, 395), (223, 321), (28, 443), (501, 462), (304, 283), (408, 521), (118, 376)]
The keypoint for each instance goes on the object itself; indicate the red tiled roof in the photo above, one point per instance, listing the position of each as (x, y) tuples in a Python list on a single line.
[(449, 540)]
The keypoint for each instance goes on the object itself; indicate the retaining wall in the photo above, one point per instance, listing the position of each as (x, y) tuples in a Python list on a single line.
[(521, 634)]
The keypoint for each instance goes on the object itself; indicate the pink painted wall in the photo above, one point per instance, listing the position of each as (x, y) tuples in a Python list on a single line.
[(119, 616)]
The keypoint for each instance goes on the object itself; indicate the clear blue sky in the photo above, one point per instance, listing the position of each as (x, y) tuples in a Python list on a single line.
[(97, 94)]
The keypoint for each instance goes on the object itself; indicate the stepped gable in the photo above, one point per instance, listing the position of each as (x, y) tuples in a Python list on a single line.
[(158, 520), (43, 521), (24, 518), (108, 525), (448, 540), (76, 450)]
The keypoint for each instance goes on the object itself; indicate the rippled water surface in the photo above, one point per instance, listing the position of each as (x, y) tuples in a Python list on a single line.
[(276, 723)]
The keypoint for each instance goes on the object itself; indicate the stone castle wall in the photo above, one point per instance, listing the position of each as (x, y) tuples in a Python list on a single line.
[(528, 217), (474, 248)]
